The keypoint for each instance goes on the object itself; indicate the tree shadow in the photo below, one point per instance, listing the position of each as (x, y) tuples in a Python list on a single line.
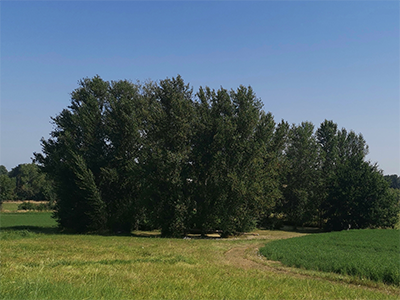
[(302, 229), (57, 231), (34, 229)]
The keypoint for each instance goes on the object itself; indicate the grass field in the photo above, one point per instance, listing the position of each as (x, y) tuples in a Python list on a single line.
[(45, 265), (10, 206), (40, 221), (367, 254)]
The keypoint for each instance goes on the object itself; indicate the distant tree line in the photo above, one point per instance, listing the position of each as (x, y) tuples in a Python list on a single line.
[(25, 182), (128, 155), (393, 180)]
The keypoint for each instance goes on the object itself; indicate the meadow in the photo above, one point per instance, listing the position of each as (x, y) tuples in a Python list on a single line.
[(44, 264), (13, 222)]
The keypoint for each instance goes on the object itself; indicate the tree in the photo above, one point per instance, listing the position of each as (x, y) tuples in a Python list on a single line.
[(125, 156), (97, 155), (302, 175), (126, 134), (3, 170), (357, 195), (7, 186), (30, 183), (234, 158), (393, 180), (75, 154), (168, 151), (327, 138), (360, 198)]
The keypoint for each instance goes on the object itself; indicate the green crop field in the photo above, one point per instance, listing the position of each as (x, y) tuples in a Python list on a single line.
[(367, 254), (45, 264)]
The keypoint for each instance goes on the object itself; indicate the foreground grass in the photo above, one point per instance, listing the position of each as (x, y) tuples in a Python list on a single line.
[(58, 266), (367, 254), (40, 266)]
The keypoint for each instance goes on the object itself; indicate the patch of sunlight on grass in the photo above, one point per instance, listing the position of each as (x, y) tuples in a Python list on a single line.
[(121, 267)]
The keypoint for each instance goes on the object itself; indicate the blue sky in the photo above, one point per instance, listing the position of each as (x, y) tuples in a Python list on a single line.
[(306, 60)]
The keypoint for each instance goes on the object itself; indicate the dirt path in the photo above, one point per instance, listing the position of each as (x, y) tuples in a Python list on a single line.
[(248, 257)]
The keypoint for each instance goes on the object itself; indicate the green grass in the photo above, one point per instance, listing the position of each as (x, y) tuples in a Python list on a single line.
[(27, 220), (366, 254), (10, 206), (44, 265), (22, 206)]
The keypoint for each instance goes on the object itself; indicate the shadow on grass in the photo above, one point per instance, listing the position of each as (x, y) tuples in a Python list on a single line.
[(137, 233), (35, 229), (56, 230), (302, 229)]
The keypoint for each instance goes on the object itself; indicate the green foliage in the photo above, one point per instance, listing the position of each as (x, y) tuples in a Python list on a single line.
[(31, 183), (395, 193), (126, 156), (367, 254), (359, 198), (327, 182), (357, 194), (35, 206), (7, 188), (235, 159), (393, 180), (169, 146), (3, 170), (301, 175)]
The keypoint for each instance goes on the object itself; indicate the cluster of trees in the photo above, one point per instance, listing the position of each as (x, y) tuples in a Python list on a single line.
[(329, 182), (127, 155), (394, 181), (25, 182)]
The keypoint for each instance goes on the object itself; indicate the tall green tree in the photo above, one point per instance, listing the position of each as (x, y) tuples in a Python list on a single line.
[(360, 198), (302, 175), (122, 180), (327, 138), (355, 192), (235, 157), (75, 155), (168, 166)]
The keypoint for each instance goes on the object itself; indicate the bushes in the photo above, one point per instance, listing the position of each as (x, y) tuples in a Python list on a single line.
[(33, 206)]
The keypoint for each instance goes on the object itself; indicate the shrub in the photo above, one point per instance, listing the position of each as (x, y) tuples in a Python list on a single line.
[(33, 206)]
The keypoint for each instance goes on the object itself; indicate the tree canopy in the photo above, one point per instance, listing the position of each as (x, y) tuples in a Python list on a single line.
[(25, 182), (128, 155)]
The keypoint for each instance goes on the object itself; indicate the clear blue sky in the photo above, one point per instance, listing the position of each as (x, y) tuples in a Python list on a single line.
[(307, 61)]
